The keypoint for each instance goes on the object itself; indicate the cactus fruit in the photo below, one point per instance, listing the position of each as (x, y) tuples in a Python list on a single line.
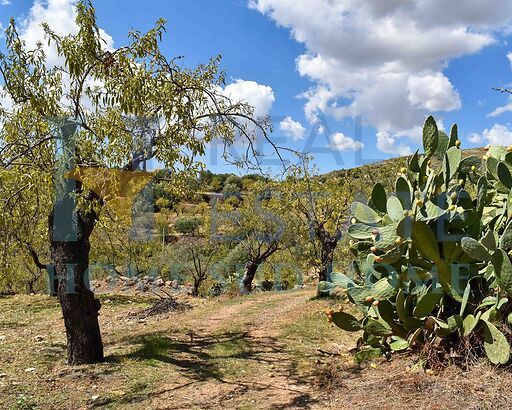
[(410, 293)]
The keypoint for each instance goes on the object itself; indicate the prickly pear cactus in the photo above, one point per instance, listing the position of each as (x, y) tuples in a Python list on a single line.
[(432, 259)]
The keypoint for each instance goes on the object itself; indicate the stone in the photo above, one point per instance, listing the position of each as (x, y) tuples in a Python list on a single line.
[(30, 370), (159, 282), (39, 338)]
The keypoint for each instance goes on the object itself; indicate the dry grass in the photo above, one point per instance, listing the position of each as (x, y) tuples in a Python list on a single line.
[(273, 350)]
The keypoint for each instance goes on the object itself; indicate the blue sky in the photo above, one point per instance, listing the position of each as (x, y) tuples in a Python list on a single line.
[(311, 62)]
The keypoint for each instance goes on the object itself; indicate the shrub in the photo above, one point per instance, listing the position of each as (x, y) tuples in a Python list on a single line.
[(187, 225), (432, 263)]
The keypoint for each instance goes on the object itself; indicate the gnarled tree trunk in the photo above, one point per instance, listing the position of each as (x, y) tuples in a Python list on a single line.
[(249, 274), (328, 243), (70, 257)]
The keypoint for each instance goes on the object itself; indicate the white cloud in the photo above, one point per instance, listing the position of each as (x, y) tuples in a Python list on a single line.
[(509, 57), (475, 138), (498, 135), (432, 91), (500, 110), (5, 2), (341, 142), (384, 60), (60, 16), (387, 143), (292, 129), (259, 96)]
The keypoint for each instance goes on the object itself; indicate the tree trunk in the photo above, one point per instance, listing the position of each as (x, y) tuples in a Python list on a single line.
[(249, 273), (70, 256), (324, 273)]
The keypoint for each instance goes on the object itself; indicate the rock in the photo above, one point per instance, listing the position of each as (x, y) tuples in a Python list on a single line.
[(159, 282), (3, 375), (39, 338), (2, 337), (175, 284), (168, 283), (30, 370), (94, 398)]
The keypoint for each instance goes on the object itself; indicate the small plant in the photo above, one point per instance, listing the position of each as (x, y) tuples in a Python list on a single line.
[(187, 225), (432, 263)]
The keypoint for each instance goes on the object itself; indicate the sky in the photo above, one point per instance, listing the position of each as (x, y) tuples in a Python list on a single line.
[(349, 81)]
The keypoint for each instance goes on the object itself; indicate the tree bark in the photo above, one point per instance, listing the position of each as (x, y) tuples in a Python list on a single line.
[(329, 243), (70, 257), (249, 274)]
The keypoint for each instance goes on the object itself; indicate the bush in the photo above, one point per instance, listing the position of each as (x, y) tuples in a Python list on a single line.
[(187, 225), (432, 263)]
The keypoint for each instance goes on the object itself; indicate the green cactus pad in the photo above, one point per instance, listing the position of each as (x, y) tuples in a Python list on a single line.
[(503, 269), (475, 249), (378, 198), (495, 344), (430, 136), (363, 213), (427, 303), (346, 322)]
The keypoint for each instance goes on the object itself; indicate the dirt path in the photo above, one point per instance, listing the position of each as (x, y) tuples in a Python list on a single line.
[(267, 378)]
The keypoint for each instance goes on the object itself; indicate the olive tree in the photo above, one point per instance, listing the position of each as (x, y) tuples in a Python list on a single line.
[(83, 113)]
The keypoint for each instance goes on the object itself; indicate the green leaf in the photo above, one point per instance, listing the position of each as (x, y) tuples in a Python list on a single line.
[(465, 298), (379, 197), (360, 231), (430, 136), (451, 163), (346, 322), (404, 192), (394, 209), (442, 144), (495, 344), (475, 249), (504, 174), (324, 288), (364, 213), (425, 241), (468, 163), (503, 269), (506, 237), (427, 303), (489, 240), (375, 327), (453, 136), (367, 354), (399, 344), (342, 280), (384, 288), (469, 323)]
